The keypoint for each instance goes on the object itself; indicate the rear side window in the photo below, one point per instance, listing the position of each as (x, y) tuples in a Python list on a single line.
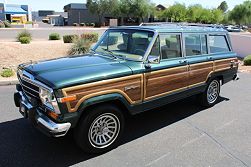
[(195, 44), (218, 43), (170, 46)]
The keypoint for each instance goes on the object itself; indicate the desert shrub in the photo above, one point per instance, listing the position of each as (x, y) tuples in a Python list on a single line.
[(54, 36), (247, 60), (70, 38), (24, 34), (75, 24), (7, 73), (25, 40), (92, 24), (97, 25), (82, 24), (7, 24), (80, 46), (92, 37), (2, 25), (87, 24)]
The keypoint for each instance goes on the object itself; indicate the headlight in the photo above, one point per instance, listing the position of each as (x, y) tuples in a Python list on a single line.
[(48, 99)]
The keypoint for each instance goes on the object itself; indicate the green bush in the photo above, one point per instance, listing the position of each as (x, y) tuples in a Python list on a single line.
[(80, 46), (7, 24), (97, 25), (75, 24), (2, 25), (54, 36), (87, 24), (7, 73), (70, 38), (247, 60), (92, 24), (82, 24), (24, 33), (25, 40), (92, 37)]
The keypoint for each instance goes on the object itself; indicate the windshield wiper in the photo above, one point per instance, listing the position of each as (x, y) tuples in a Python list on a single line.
[(111, 53)]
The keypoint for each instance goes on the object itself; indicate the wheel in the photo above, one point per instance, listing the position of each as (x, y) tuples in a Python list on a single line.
[(100, 130), (211, 95)]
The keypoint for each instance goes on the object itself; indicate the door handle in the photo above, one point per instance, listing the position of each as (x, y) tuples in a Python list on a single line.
[(209, 58), (183, 61)]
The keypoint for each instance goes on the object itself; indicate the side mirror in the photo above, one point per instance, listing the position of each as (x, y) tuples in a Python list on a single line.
[(153, 59)]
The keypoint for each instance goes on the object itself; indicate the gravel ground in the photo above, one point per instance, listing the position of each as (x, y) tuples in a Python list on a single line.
[(14, 53)]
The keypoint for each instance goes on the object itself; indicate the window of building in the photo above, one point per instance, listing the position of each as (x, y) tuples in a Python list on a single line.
[(170, 45), (218, 43)]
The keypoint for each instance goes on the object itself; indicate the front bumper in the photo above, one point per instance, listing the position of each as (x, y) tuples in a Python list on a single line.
[(38, 119)]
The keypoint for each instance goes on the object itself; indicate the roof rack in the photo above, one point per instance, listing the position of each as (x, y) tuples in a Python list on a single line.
[(181, 24)]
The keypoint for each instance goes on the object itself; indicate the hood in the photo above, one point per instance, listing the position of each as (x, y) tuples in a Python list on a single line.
[(70, 71)]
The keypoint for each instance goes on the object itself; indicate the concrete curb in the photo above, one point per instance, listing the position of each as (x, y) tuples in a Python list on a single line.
[(9, 82)]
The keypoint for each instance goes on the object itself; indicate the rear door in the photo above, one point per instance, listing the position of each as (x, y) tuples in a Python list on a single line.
[(199, 61)]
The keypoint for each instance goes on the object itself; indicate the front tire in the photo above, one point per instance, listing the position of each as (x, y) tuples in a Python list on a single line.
[(100, 130), (211, 95)]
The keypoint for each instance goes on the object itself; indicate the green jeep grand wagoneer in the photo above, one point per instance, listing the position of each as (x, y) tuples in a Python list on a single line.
[(129, 70)]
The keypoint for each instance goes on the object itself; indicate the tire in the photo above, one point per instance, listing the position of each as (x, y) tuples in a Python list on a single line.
[(100, 130), (211, 95)]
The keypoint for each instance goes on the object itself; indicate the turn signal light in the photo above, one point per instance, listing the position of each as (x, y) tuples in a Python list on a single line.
[(68, 99)]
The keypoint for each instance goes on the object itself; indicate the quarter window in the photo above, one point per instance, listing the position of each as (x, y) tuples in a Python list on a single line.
[(170, 45), (218, 43)]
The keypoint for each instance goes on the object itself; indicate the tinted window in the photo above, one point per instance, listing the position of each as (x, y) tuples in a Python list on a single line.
[(218, 43), (192, 44), (170, 46), (204, 44)]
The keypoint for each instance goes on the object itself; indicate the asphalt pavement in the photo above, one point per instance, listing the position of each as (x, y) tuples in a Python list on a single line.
[(179, 134)]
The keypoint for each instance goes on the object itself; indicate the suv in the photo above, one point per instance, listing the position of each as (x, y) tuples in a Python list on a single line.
[(128, 71)]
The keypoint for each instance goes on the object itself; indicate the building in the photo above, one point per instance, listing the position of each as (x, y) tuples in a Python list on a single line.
[(15, 13), (79, 13), (50, 17)]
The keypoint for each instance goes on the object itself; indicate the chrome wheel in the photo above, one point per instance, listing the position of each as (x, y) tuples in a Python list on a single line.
[(213, 91), (104, 130)]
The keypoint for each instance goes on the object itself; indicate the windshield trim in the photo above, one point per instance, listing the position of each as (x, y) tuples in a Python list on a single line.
[(148, 50)]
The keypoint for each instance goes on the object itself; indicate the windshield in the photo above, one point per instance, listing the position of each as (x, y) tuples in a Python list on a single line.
[(126, 43)]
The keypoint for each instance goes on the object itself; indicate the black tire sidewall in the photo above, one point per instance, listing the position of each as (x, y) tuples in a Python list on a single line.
[(203, 97), (82, 130), (205, 94)]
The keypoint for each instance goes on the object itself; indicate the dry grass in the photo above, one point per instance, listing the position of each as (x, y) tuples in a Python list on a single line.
[(14, 53)]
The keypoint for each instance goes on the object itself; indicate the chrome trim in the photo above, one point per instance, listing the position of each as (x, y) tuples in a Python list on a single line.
[(30, 79), (52, 126), (149, 49)]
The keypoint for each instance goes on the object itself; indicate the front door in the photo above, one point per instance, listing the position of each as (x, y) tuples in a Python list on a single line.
[(171, 74)]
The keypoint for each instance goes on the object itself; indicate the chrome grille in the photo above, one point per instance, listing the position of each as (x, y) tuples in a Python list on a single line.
[(29, 88)]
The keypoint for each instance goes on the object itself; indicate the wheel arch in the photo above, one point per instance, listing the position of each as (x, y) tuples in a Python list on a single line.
[(113, 99)]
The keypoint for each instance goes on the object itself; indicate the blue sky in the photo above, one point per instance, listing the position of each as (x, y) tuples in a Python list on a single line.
[(57, 5)]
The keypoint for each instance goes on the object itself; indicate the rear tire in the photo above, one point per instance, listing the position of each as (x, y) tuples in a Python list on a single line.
[(100, 130), (211, 95)]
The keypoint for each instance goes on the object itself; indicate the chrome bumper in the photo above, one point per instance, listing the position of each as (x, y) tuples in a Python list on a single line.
[(38, 119)]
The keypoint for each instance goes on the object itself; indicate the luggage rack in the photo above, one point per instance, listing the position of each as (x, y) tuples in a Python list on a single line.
[(181, 24)]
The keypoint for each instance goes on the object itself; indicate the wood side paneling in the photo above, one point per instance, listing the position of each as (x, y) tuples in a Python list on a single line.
[(199, 72), (225, 64), (161, 82), (131, 87)]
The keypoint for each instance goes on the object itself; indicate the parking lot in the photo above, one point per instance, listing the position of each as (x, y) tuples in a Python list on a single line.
[(180, 134)]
